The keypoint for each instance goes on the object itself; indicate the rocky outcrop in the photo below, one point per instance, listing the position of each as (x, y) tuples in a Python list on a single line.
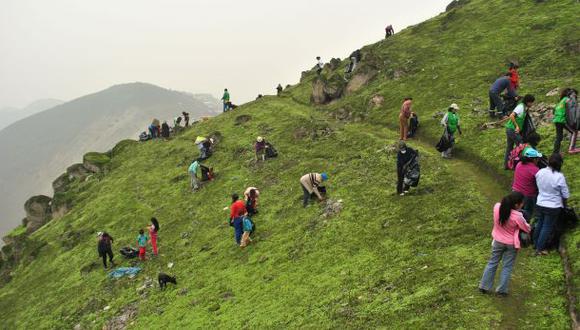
[(61, 183), (96, 162), (38, 212), (326, 90), (78, 171), (119, 147), (456, 4), (360, 79)]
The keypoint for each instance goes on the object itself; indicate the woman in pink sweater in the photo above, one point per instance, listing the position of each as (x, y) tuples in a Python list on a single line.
[(507, 223)]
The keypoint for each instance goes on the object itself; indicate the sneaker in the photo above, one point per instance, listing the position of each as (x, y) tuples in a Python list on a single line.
[(502, 294), (402, 194), (483, 291), (406, 192)]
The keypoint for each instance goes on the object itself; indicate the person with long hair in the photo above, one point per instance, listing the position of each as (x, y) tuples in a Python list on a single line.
[(153, 230), (507, 222), (553, 194), (567, 95), (525, 179)]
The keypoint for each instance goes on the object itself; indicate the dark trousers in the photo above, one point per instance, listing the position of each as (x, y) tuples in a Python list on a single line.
[(496, 103), (104, 255), (238, 225), (306, 197), (513, 139), (559, 136), (401, 186), (546, 220)]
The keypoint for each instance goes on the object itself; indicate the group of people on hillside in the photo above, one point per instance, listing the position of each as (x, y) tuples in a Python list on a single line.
[(105, 244), (157, 129)]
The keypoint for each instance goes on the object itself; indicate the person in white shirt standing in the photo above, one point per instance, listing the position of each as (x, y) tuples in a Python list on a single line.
[(553, 194)]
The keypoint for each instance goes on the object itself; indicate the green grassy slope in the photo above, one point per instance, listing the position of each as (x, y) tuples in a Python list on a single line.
[(384, 261)]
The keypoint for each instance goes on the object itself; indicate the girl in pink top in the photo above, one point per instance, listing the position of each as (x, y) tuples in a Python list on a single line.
[(507, 223), (153, 229)]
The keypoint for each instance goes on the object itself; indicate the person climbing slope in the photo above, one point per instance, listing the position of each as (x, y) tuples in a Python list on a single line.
[(404, 116), (104, 248), (355, 57), (248, 228), (165, 130), (237, 213), (515, 125), (507, 222), (310, 185), (260, 147), (495, 101), (524, 180), (226, 100), (251, 194), (553, 194), (153, 230), (568, 102), (186, 118), (405, 156), (192, 170), (319, 65), (389, 31), (452, 125), (142, 240)]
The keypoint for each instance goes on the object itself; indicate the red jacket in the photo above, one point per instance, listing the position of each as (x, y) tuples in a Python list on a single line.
[(238, 209), (515, 78)]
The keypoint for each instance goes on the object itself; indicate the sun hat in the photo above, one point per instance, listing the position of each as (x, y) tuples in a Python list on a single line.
[(532, 153), (324, 176), (99, 234), (454, 106), (260, 139)]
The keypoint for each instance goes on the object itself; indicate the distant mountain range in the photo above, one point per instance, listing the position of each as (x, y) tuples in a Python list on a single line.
[(37, 149), (9, 115)]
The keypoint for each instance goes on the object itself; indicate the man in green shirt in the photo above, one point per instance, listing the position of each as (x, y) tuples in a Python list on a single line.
[(515, 126), (226, 100), (451, 123)]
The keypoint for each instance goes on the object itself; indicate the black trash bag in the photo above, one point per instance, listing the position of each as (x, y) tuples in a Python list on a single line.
[(444, 143), (412, 172), (129, 252)]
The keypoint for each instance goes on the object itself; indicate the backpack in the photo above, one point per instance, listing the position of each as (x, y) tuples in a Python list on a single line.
[(573, 111), (248, 224), (516, 155), (271, 151), (129, 252)]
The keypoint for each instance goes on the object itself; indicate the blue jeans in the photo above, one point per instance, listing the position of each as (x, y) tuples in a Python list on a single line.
[(546, 219), (529, 205), (226, 107), (499, 251), (238, 224)]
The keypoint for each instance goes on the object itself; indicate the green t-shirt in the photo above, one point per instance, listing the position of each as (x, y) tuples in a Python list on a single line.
[(226, 97), (452, 121), (560, 111), (520, 117)]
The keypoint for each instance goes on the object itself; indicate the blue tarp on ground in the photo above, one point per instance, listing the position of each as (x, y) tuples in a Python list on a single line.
[(124, 271)]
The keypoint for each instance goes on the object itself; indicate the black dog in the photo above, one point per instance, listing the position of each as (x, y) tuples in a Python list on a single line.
[(164, 279)]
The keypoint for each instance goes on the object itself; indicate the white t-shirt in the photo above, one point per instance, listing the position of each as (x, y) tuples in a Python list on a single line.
[(519, 109)]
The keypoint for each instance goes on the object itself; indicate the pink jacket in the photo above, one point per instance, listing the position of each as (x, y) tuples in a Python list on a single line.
[(509, 232)]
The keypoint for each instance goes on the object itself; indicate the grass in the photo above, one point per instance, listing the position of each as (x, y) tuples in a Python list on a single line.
[(384, 261)]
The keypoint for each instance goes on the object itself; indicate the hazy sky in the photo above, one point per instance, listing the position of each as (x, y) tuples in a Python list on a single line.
[(68, 48)]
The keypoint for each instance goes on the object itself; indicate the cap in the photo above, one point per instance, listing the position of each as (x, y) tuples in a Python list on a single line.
[(532, 153), (454, 106), (260, 139)]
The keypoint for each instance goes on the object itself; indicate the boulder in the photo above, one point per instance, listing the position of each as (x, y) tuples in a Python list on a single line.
[(61, 183), (326, 90), (377, 101), (334, 64), (77, 171), (542, 113), (61, 204), (359, 80), (38, 212), (554, 92), (96, 162)]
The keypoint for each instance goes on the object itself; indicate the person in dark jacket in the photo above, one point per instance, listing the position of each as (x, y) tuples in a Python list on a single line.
[(186, 118), (404, 157), (279, 90), (165, 130), (260, 147), (495, 101), (104, 247)]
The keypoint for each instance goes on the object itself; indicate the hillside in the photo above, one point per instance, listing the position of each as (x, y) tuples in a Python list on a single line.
[(384, 260), (42, 146), (10, 115)]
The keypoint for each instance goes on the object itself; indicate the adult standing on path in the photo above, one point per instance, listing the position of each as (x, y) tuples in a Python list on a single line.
[(279, 89), (105, 249), (553, 194), (507, 222), (310, 185), (226, 100), (404, 116), (515, 126), (452, 125)]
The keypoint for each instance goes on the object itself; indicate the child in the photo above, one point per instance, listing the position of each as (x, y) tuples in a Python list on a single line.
[(142, 240), (248, 228)]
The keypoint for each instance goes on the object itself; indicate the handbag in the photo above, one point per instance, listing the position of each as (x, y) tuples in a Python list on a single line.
[(525, 239)]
